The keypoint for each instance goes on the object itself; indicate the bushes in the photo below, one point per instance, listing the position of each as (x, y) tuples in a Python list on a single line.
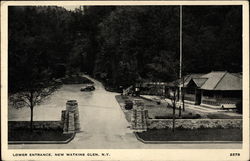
[(128, 104), (189, 116)]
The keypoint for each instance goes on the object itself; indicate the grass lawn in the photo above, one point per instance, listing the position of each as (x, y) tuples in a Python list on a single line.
[(192, 135), (37, 135), (164, 111), (155, 110)]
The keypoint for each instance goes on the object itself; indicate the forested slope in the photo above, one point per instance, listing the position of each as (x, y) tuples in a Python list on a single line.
[(122, 44)]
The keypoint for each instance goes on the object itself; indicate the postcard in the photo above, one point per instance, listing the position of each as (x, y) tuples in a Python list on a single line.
[(125, 80)]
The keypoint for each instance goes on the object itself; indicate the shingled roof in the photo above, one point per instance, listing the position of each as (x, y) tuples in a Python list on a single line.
[(187, 78), (199, 81), (219, 80)]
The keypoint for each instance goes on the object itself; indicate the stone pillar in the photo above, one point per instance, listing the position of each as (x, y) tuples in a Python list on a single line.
[(77, 121), (70, 117), (133, 119), (139, 120), (71, 122), (64, 120), (72, 106)]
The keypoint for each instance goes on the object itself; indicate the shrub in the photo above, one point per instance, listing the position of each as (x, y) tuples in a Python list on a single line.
[(163, 117), (196, 116), (128, 104)]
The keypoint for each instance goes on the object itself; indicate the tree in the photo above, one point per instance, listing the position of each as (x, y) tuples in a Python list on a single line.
[(34, 51), (174, 99), (137, 39), (35, 91)]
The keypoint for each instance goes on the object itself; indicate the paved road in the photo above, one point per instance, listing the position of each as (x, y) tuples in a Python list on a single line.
[(103, 124)]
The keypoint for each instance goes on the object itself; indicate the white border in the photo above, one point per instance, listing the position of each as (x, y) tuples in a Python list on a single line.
[(131, 154)]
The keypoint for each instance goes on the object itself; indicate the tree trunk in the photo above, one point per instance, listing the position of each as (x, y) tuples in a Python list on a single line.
[(31, 118), (31, 111)]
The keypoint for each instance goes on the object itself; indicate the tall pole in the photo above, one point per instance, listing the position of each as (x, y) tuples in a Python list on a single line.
[(180, 54)]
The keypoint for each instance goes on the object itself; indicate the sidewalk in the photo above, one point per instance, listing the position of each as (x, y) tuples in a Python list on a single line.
[(188, 104)]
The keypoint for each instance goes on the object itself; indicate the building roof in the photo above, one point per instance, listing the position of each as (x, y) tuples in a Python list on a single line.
[(219, 80), (229, 82), (199, 81), (215, 80), (187, 78)]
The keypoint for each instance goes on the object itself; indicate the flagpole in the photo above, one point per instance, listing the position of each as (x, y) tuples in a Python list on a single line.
[(180, 73)]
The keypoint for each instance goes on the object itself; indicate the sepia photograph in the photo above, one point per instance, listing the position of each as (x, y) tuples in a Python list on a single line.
[(113, 76)]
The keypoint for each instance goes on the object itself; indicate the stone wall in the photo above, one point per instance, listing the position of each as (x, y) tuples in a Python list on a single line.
[(36, 124), (194, 123)]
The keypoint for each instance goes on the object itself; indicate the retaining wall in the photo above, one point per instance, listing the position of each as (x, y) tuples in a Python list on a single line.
[(194, 123), (36, 124)]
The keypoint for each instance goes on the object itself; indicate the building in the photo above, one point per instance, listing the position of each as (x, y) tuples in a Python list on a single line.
[(214, 88), (152, 88)]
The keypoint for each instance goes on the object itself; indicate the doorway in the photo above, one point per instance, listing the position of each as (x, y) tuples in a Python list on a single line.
[(197, 96)]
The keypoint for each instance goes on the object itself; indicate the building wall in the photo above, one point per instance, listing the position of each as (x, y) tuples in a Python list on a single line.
[(189, 97), (221, 97), (211, 97)]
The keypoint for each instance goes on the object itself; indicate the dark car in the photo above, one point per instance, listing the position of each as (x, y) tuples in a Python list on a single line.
[(88, 88)]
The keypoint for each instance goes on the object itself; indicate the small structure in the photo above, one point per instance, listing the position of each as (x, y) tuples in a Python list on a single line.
[(70, 117), (214, 88), (139, 117), (151, 88)]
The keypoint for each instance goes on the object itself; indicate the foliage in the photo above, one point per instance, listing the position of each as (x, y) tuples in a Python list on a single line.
[(128, 104), (196, 116), (143, 42), (121, 45)]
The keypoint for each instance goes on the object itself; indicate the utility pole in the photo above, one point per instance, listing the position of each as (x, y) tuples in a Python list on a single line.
[(180, 73)]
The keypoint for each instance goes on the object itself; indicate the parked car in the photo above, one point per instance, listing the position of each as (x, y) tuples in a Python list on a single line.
[(88, 88)]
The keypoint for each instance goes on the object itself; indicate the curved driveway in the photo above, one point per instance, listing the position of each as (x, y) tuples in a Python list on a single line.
[(103, 124)]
